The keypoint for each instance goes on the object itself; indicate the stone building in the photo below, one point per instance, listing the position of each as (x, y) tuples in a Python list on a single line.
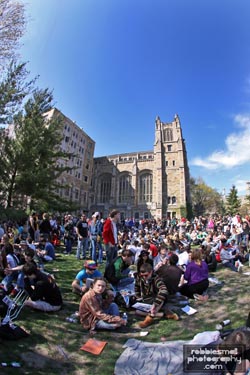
[(76, 182), (145, 184)]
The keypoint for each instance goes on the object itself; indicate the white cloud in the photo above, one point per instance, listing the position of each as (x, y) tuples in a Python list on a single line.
[(236, 152), (240, 186)]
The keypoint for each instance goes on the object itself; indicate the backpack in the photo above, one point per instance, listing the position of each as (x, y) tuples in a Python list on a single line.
[(11, 331), (109, 274)]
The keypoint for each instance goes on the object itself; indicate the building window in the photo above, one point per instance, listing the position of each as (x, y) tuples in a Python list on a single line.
[(76, 194), (85, 178), (173, 163), (146, 187), (169, 147), (169, 200), (168, 135), (166, 163), (105, 189), (125, 189), (174, 200)]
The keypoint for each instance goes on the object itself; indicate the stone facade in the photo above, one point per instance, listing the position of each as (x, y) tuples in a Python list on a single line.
[(145, 184), (76, 183)]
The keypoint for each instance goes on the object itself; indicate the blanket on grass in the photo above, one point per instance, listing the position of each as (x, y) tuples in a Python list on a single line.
[(147, 358)]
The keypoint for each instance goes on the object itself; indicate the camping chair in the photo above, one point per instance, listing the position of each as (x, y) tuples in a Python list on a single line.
[(14, 306)]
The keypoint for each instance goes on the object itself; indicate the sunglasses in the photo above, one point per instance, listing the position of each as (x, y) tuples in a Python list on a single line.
[(145, 274)]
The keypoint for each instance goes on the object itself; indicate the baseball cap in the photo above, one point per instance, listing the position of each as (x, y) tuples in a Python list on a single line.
[(90, 264)]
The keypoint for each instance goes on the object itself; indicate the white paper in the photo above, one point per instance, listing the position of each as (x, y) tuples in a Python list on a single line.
[(143, 333), (189, 310)]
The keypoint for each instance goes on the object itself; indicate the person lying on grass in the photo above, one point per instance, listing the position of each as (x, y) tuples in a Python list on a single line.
[(97, 309)]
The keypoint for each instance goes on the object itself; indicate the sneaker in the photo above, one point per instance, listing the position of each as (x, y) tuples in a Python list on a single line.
[(201, 297), (240, 268), (146, 322)]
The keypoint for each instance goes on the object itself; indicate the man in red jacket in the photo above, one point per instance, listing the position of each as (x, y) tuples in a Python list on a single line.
[(109, 236)]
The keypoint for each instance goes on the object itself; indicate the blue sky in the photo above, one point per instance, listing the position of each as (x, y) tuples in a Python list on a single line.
[(115, 65)]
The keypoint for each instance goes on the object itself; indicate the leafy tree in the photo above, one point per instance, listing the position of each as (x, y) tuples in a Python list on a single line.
[(14, 88), (30, 158), (12, 27), (233, 203), (204, 198)]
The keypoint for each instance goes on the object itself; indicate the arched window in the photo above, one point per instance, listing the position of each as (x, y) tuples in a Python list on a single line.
[(125, 189), (168, 135), (146, 187), (105, 188)]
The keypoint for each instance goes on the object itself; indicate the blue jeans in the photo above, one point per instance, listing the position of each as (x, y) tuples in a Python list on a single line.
[(68, 244), (231, 265), (82, 247), (100, 252), (93, 248), (126, 282), (111, 253), (111, 310), (9, 279)]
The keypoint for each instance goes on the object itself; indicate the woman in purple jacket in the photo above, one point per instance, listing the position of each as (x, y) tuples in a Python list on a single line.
[(196, 277)]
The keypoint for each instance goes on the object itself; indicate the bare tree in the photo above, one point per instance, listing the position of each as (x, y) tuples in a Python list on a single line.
[(12, 27)]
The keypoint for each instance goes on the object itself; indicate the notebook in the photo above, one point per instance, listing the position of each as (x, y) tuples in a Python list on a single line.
[(142, 306), (94, 346)]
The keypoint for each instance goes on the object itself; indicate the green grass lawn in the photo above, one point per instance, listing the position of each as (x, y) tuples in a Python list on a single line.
[(53, 346)]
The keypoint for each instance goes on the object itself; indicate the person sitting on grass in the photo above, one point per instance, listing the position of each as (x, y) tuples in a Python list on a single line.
[(29, 255), (117, 271), (171, 274), (151, 289), (43, 291), (161, 258), (144, 257), (195, 281), (12, 262), (46, 250), (81, 283), (97, 309)]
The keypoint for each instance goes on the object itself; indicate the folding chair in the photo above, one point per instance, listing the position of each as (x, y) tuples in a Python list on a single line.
[(15, 305)]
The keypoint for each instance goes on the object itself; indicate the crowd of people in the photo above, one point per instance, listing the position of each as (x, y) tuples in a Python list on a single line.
[(152, 259)]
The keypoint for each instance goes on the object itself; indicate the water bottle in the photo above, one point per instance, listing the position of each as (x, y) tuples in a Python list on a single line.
[(125, 316), (71, 320), (223, 324)]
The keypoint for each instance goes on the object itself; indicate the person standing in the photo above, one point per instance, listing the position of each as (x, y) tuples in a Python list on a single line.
[(32, 223), (94, 232), (110, 237), (68, 234), (83, 237)]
